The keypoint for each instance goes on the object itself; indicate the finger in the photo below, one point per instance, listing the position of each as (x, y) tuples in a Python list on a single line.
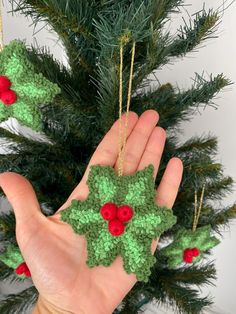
[(170, 182), (21, 196), (154, 149), (107, 151), (168, 188), (138, 140), (105, 154)]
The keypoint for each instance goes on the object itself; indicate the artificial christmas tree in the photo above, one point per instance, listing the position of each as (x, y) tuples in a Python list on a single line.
[(77, 118)]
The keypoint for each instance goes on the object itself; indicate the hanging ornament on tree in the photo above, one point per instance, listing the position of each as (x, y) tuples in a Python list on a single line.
[(189, 246), (13, 259), (22, 90), (120, 216)]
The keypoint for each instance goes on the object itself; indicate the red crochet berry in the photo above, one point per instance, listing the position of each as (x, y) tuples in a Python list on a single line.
[(116, 227), (195, 252), (20, 269), (125, 213), (5, 83), (23, 269), (188, 259), (188, 256), (109, 211), (8, 97), (27, 273)]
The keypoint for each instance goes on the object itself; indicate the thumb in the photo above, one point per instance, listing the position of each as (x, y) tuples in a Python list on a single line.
[(21, 196)]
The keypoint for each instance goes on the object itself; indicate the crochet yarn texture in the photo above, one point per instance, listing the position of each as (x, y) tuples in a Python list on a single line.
[(27, 89), (13, 258), (189, 246), (145, 220)]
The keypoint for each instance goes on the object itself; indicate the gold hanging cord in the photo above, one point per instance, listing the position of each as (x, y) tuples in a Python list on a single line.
[(1, 28), (122, 143), (197, 210)]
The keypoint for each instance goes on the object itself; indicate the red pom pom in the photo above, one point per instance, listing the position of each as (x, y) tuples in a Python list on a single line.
[(109, 211), (27, 273), (188, 256), (116, 227), (8, 97), (195, 252), (23, 269), (188, 259), (125, 213), (5, 83)]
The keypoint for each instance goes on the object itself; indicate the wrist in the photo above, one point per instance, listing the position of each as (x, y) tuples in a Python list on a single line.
[(44, 307)]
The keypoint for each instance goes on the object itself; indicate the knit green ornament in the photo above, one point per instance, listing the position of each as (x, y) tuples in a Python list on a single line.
[(13, 258), (189, 246), (22, 90), (120, 217)]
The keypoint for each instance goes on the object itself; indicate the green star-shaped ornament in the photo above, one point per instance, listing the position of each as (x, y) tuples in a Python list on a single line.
[(13, 258), (189, 246), (146, 222), (31, 89)]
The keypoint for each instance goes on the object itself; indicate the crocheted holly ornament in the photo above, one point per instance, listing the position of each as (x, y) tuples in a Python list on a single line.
[(21, 89), (120, 217), (13, 259), (189, 246)]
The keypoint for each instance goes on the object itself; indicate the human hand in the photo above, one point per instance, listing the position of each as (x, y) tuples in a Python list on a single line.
[(56, 256)]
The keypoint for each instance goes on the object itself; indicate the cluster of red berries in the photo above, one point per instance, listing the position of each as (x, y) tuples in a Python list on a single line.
[(189, 254), (7, 96), (23, 269), (117, 216)]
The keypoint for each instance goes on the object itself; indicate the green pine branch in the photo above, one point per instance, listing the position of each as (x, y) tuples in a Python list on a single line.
[(172, 288), (174, 107), (202, 150), (162, 99), (12, 139), (8, 162), (5, 272), (201, 274), (219, 188), (191, 35), (16, 303), (200, 170), (133, 302), (202, 92), (163, 8), (111, 29), (177, 287), (221, 218), (61, 14), (68, 123), (207, 144), (185, 300), (68, 20), (214, 190), (161, 48), (51, 174), (7, 227), (8, 274)]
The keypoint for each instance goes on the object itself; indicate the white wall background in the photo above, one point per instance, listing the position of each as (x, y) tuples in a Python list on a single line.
[(215, 56)]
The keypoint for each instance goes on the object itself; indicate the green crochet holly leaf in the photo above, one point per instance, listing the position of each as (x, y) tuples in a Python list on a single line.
[(149, 221), (201, 239), (12, 257), (32, 89)]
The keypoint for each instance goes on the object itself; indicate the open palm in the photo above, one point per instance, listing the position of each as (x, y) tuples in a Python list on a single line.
[(55, 255)]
